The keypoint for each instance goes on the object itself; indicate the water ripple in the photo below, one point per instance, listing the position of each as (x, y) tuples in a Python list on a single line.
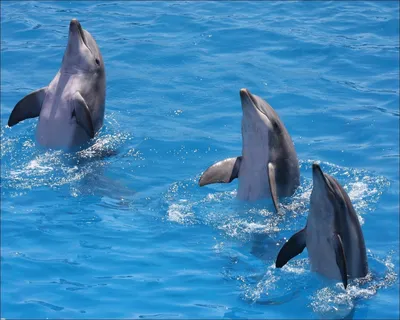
[(124, 222)]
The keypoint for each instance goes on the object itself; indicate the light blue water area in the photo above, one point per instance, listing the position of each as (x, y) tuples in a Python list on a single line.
[(133, 235)]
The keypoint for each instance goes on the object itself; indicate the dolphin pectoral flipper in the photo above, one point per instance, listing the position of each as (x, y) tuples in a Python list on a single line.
[(292, 248), (272, 185), (82, 114), (340, 257), (27, 107), (221, 172)]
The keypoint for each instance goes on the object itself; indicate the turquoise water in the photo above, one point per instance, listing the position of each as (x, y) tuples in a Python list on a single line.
[(132, 235)]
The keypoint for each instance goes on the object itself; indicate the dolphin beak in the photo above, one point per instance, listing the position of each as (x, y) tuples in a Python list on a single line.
[(76, 28), (247, 98), (244, 93), (316, 166), (318, 175)]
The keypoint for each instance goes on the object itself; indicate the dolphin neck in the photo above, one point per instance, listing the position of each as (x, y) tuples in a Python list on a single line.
[(73, 71)]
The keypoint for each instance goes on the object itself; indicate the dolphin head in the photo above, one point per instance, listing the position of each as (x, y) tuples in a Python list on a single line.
[(251, 102), (323, 194), (82, 54), (255, 128), (254, 115)]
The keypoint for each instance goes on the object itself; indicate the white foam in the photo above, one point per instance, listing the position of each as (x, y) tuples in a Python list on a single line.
[(262, 287), (180, 214), (238, 227), (329, 300)]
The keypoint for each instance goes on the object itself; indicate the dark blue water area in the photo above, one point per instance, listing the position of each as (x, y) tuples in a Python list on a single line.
[(121, 229)]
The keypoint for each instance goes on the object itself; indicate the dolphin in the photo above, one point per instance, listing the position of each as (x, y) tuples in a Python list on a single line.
[(333, 235), (268, 166), (71, 107)]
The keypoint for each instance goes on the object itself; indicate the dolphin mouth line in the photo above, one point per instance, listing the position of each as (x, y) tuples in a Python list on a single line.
[(252, 99), (82, 35)]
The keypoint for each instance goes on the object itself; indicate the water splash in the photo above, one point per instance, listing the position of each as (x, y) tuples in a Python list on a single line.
[(28, 167), (180, 213), (334, 301), (222, 211)]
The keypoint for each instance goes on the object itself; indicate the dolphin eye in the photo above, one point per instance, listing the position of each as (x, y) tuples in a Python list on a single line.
[(98, 62)]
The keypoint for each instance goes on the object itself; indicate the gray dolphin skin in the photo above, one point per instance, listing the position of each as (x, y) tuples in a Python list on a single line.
[(333, 235), (268, 166), (71, 108)]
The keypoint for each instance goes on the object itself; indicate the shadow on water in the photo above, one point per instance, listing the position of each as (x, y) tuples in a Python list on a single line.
[(262, 245)]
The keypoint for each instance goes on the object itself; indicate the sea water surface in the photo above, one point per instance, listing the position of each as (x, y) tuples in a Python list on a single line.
[(121, 229)]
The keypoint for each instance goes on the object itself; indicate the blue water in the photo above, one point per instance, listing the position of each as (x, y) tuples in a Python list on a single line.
[(132, 235)]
